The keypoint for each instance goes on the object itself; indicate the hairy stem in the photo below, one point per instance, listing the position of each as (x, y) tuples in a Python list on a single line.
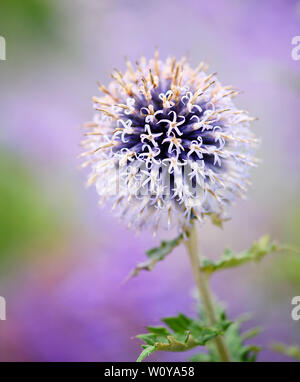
[(202, 281)]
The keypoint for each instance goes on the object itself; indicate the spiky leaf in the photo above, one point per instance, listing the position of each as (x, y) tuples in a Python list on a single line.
[(257, 251), (289, 351), (186, 333), (234, 339), (156, 254)]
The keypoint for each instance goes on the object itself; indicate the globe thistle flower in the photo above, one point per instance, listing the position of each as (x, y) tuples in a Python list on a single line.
[(167, 144)]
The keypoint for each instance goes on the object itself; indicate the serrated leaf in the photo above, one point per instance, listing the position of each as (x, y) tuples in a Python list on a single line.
[(156, 254), (251, 333), (230, 259), (177, 324), (239, 351), (187, 333), (289, 351), (146, 352), (158, 330), (234, 339)]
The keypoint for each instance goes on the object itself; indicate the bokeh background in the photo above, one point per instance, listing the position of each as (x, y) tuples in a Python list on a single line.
[(62, 259)]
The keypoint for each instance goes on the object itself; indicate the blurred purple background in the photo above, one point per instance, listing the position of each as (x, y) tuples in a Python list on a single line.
[(62, 259)]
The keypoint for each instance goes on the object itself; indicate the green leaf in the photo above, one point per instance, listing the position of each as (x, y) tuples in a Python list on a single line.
[(165, 248), (251, 333), (239, 351), (289, 351), (186, 334), (156, 254), (177, 324), (234, 339), (230, 259), (147, 351)]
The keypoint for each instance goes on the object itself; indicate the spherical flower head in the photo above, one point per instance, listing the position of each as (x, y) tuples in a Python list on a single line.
[(167, 144)]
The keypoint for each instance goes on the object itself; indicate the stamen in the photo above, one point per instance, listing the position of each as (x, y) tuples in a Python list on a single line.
[(107, 92), (114, 116), (156, 63)]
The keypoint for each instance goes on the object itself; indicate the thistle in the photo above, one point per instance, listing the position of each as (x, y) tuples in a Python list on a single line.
[(168, 145)]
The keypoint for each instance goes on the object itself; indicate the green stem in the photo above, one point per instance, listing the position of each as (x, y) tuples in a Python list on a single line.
[(202, 281)]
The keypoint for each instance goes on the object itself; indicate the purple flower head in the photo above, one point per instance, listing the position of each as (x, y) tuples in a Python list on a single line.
[(167, 144)]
